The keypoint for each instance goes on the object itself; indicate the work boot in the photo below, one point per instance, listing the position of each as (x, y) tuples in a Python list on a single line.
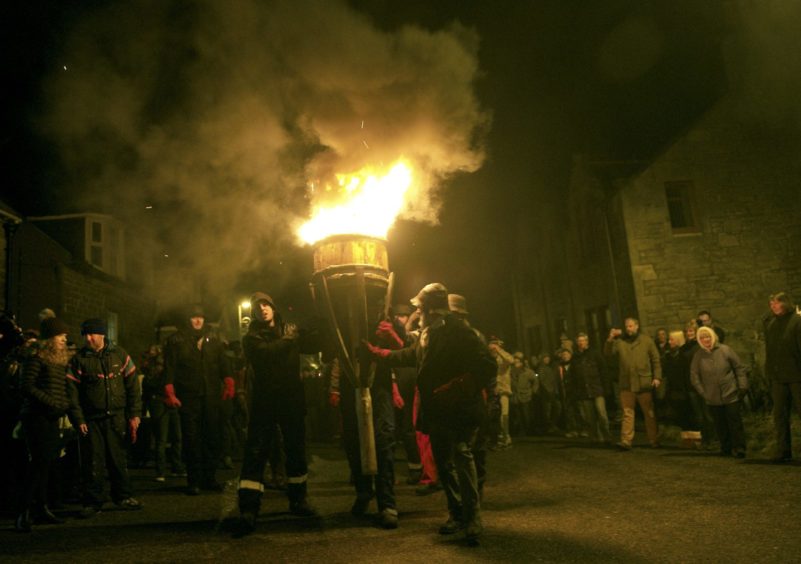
[(129, 504), (45, 516), (451, 526), (303, 508), (23, 522), (388, 518), (89, 511), (360, 505), (473, 531), (245, 525)]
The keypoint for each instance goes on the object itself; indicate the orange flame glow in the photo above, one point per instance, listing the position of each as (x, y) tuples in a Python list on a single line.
[(366, 204)]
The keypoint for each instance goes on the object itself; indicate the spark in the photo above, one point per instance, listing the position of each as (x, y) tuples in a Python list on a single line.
[(65, 67), (365, 144), (362, 120), (148, 207)]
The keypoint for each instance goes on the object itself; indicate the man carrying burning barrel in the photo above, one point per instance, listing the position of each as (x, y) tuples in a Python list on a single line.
[(453, 367)]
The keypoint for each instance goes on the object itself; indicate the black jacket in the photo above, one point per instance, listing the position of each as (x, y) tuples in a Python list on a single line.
[(274, 355), (102, 384), (196, 364), (588, 374), (783, 348), (453, 367), (44, 387)]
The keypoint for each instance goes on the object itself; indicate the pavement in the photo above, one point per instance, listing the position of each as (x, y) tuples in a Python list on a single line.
[(548, 499)]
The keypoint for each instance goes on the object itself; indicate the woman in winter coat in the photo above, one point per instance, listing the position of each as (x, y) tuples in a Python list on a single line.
[(44, 389), (719, 377)]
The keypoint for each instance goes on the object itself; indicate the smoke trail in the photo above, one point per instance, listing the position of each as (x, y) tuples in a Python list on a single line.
[(216, 113)]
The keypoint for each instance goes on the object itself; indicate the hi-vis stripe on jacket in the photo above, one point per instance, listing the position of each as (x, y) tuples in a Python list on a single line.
[(103, 383)]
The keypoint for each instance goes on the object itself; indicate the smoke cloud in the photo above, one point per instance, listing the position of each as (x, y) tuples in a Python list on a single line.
[(218, 113)]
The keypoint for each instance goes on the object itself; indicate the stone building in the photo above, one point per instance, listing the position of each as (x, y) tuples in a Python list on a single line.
[(713, 222), (78, 266), (9, 221)]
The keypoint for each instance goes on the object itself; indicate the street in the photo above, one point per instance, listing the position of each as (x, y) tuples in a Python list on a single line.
[(547, 499)]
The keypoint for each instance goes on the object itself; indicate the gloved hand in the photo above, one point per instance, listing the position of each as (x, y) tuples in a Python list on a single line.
[(376, 352), (229, 389), (169, 396), (291, 332), (333, 399), (397, 399), (387, 336), (133, 427)]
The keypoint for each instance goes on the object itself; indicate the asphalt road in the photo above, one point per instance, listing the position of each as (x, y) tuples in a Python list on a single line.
[(548, 499)]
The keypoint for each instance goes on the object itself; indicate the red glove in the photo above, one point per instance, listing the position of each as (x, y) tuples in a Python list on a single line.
[(133, 426), (387, 336), (229, 389), (333, 399), (169, 396), (377, 351), (397, 399)]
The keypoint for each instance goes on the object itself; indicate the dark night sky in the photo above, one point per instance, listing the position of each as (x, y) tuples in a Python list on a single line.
[(616, 79)]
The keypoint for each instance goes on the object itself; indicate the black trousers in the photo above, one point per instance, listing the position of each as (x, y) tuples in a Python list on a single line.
[(261, 435), (729, 426), (200, 430), (43, 441), (784, 394), (452, 448), (104, 451), (384, 427)]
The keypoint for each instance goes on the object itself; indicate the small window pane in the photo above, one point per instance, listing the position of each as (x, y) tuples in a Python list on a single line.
[(97, 232)]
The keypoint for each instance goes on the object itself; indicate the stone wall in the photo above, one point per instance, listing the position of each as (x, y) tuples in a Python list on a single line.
[(747, 195), (88, 294)]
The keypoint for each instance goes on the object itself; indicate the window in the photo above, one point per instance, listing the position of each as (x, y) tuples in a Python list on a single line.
[(104, 244), (679, 196)]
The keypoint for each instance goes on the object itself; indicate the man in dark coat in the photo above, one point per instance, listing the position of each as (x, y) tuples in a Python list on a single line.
[(197, 378), (453, 367), (105, 402), (272, 348), (783, 368), (589, 372)]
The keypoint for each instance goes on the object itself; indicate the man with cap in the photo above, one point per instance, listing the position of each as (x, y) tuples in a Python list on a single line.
[(272, 348), (197, 379), (105, 401), (453, 367)]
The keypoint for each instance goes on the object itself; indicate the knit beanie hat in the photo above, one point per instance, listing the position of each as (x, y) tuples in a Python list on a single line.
[(94, 326), (51, 327)]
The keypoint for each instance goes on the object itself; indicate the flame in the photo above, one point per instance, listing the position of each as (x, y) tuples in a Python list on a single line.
[(368, 204)]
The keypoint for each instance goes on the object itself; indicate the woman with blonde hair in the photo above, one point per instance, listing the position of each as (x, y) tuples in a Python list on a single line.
[(719, 377), (44, 389)]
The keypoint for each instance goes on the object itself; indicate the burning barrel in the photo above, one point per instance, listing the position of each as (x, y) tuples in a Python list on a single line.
[(352, 287)]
